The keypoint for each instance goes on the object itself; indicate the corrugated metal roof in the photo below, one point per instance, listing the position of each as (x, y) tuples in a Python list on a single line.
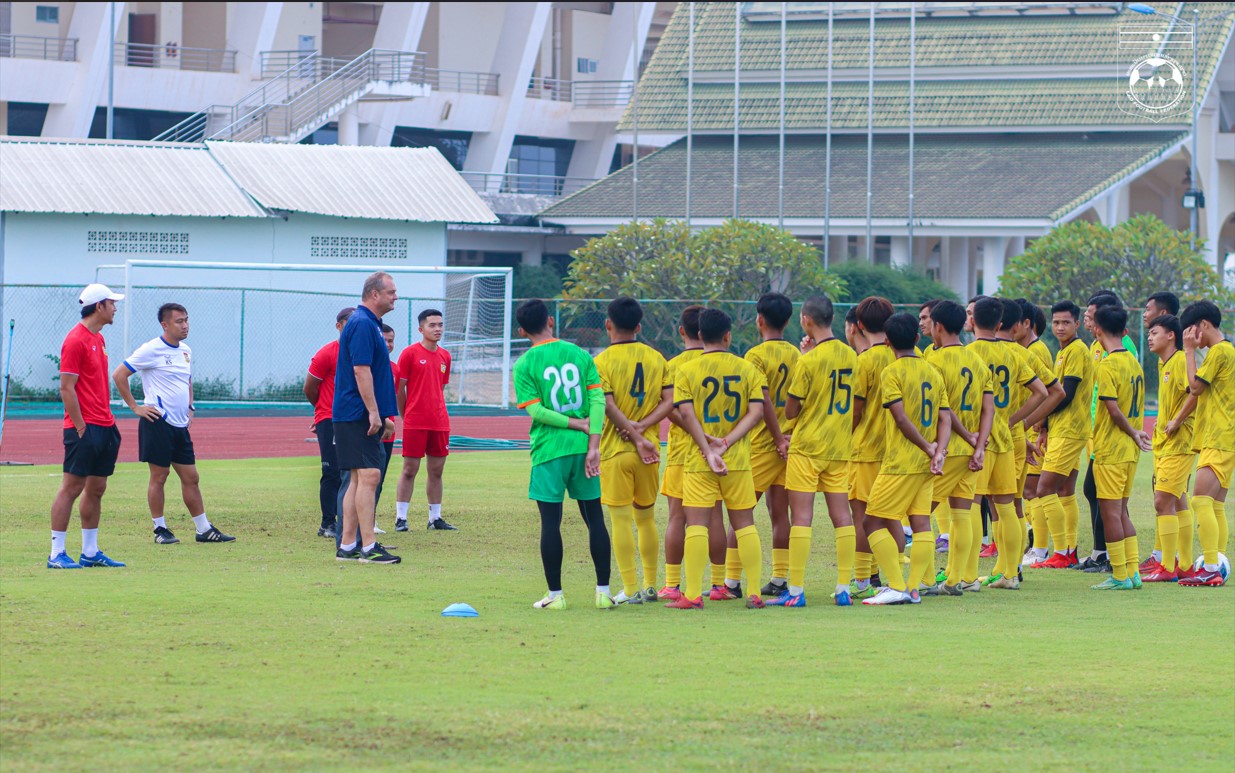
[(416, 184), (116, 178)]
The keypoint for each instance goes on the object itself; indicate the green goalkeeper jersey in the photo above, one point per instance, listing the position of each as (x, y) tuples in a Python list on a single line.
[(558, 375)]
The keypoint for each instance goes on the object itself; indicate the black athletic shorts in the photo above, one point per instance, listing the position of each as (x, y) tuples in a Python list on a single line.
[(355, 448), (94, 453), (163, 444)]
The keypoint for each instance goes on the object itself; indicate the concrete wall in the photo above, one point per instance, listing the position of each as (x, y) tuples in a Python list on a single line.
[(298, 19), (467, 35), (23, 20)]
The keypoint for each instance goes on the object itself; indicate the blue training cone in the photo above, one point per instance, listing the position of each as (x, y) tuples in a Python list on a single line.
[(460, 610)]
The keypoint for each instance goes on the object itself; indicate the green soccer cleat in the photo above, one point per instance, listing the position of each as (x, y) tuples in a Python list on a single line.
[(941, 577), (865, 593), (551, 602), (1136, 581), (990, 580), (605, 601), (1110, 583)]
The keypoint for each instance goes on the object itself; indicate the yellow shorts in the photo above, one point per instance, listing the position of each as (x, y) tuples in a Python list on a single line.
[(626, 480), (768, 470), (998, 475), (957, 480), (1221, 462), (1019, 457), (896, 496), (1171, 473), (1114, 481), (1036, 467), (705, 489), (1063, 454), (671, 483), (805, 473), (862, 479)]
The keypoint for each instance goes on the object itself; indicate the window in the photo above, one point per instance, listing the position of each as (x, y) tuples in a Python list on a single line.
[(137, 242), (47, 13), (535, 162), (585, 66), (361, 247)]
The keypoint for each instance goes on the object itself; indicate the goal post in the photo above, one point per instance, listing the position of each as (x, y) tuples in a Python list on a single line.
[(256, 325)]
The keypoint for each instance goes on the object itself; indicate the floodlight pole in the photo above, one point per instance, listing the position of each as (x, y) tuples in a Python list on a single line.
[(737, 111), (827, 162), (634, 188), (870, 136), (111, 87), (912, 61), (690, 107), (780, 166)]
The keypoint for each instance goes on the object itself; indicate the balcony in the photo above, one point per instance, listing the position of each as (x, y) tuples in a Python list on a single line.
[(33, 47), (462, 81), (551, 186), (278, 63), (174, 57), (582, 93)]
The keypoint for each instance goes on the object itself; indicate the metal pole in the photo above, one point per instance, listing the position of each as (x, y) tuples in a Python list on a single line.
[(912, 62), (1195, 111), (4, 398), (870, 137), (780, 164), (827, 163), (128, 297), (737, 86), (111, 84), (508, 305), (634, 109), (240, 393), (690, 110)]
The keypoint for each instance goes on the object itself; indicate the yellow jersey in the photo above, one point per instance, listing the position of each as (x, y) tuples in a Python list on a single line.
[(634, 374), (823, 383), (916, 385), (680, 443), (775, 360), (966, 379), (868, 435), (1120, 379), (1045, 374), (719, 387), (1042, 352), (1172, 392), (1216, 405), (1074, 422), (1009, 372)]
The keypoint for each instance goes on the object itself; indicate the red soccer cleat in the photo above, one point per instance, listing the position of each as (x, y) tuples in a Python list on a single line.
[(1183, 572), (1162, 574), (1072, 559), (989, 550), (685, 603), (1150, 565), (754, 601), (1204, 578), (1056, 561), (722, 593), (669, 593)]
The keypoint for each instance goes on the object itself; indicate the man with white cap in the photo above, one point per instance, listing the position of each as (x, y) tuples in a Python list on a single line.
[(91, 440)]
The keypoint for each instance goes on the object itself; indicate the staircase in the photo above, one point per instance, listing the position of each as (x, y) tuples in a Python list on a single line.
[(306, 96)]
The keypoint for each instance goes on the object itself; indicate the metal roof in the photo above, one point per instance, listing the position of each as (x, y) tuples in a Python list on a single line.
[(116, 178), (416, 184)]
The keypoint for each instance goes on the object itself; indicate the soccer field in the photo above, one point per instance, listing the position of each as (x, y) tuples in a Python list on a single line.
[(267, 653)]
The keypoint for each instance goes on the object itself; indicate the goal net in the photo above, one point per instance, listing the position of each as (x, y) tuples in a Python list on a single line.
[(254, 327)]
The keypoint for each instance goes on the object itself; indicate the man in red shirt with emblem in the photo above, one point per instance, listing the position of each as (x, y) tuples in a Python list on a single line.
[(319, 389), (91, 439), (424, 371)]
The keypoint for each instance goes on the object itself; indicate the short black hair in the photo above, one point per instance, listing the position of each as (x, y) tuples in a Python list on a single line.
[(625, 313), (533, 316), (1067, 307), (1201, 311), (931, 304), (818, 309), (902, 330), (1030, 311), (1011, 313), (1111, 319), (422, 316), (951, 315), (1169, 322), (88, 309), (1103, 298), (713, 324), (387, 328), (987, 313), (975, 299), (874, 312), (776, 309), (851, 316), (168, 308), (690, 320), (1167, 301)]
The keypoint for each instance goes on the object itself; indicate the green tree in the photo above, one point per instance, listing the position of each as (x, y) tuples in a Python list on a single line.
[(544, 281), (1136, 258), (898, 285)]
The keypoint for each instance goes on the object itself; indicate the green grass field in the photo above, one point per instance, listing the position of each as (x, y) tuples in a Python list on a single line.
[(267, 653)]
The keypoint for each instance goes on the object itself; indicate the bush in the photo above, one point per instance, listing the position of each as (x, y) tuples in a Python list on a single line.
[(898, 285)]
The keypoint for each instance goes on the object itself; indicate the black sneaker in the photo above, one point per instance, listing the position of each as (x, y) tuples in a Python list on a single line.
[(773, 588), (164, 536), (441, 525), (378, 555), (401, 524), (326, 531), (1086, 565), (214, 535), (1102, 565), (347, 555)]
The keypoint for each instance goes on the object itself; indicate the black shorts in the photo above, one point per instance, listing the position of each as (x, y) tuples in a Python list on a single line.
[(355, 448), (163, 444), (94, 453)]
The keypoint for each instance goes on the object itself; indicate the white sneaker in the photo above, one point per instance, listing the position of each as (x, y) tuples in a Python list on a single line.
[(888, 597), (551, 602), (622, 598), (378, 529), (1033, 556), (971, 587)]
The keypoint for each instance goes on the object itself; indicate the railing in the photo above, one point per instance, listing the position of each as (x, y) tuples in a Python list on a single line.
[(175, 57), (310, 63), (582, 93), (462, 81), (535, 184), (34, 47)]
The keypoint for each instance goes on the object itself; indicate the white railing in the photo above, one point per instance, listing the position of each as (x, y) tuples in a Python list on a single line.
[(175, 57), (35, 47), (535, 184), (582, 93)]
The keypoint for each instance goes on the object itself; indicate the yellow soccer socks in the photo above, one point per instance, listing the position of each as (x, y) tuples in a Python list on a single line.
[(1131, 554), (960, 541), (799, 554), (883, 547), (845, 541), (1186, 538), (1166, 532), (649, 545), (1053, 511), (624, 546), (673, 575), (694, 559), (1011, 544), (733, 566), (1115, 551), (921, 557), (1041, 531), (750, 552), (1224, 532), (718, 575), (1206, 528), (780, 562), (1071, 517)]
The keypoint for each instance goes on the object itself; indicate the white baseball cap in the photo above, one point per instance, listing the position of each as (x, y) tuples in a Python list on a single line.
[(97, 292)]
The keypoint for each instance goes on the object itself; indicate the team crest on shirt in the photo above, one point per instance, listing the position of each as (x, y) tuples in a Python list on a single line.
[(443, 367), (186, 356)]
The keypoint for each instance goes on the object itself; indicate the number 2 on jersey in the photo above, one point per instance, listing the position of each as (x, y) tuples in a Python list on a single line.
[(566, 381)]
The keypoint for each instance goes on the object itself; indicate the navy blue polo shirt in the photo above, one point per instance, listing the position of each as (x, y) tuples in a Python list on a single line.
[(362, 344)]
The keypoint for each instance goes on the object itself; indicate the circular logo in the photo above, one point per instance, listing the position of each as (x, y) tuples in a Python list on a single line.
[(1156, 83)]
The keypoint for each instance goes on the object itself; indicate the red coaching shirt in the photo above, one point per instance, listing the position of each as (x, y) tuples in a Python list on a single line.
[(427, 373), (321, 367), (84, 354)]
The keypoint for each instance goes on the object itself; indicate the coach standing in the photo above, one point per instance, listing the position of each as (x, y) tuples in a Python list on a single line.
[(363, 396), (319, 389), (91, 440)]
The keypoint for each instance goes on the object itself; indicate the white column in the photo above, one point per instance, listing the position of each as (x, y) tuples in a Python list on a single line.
[(901, 254), (399, 29), (517, 47), (89, 90), (993, 249), (251, 31), (1209, 221), (349, 126)]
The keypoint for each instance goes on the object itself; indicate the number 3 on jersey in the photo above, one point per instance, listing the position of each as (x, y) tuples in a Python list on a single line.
[(567, 382)]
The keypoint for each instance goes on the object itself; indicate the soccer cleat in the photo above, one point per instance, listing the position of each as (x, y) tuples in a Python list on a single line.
[(214, 535), (914, 596), (439, 524), (989, 551), (941, 544), (685, 603), (1110, 583), (929, 590), (649, 595), (787, 599), (622, 598), (1137, 582), (754, 601), (865, 593), (774, 588), (887, 597), (378, 555), (1099, 566), (724, 593), (970, 587), (378, 529), (1006, 583), (669, 593), (1072, 559), (99, 559), (400, 524), (1184, 572), (347, 555), (1149, 564), (951, 590), (941, 576), (164, 536), (326, 531), (1203, 577), (605, 601), (990, 579), (1033, 556), (1056, 561), (1085, 564), (62, 561), (840, 597), (1162, 575), (551, 602)]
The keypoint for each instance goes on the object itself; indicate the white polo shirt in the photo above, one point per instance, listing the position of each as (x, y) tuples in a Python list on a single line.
[(165, 371)]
